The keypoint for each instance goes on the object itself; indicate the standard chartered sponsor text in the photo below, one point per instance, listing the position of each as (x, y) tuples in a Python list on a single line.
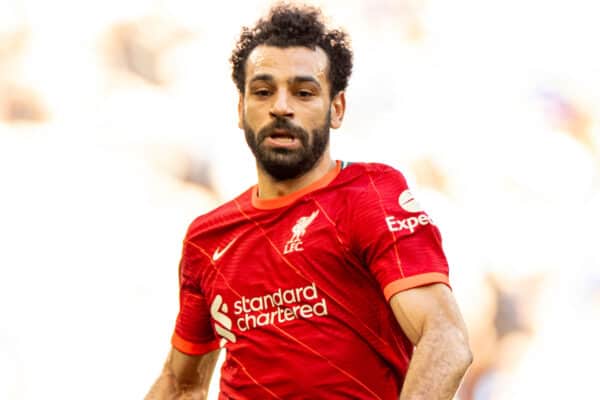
[(279, 307)]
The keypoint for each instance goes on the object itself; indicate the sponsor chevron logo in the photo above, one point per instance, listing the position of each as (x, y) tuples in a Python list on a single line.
[(223, 323)]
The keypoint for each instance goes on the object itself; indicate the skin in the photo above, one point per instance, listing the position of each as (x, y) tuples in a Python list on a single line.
[(184, 377), (430, 317), (292, 83)]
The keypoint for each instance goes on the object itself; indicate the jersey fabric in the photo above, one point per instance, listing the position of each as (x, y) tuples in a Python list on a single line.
[(297, 288)]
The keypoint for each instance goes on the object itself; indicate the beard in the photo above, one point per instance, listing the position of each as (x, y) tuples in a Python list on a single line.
[(281, 163)]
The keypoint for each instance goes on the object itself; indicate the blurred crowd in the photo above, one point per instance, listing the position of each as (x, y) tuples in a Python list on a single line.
[(118, 127)]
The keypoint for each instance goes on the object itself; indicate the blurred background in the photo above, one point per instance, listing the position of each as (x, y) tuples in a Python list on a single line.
[(118, 127)]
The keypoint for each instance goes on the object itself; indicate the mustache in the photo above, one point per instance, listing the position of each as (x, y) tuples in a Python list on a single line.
[(282, 123)]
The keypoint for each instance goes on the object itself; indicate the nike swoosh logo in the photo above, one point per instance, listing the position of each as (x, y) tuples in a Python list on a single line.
[(219, 253)]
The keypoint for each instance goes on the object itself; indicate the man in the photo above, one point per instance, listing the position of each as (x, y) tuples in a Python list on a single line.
[(322, 279)]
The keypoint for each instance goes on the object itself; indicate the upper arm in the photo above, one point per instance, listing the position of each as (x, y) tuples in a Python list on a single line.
[(193, 371), (402, 247), (184, 376), (424, 308), (194, 332), (398, 241)]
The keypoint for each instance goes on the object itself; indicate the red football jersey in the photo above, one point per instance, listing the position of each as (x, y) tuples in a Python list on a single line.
[(297, 288)]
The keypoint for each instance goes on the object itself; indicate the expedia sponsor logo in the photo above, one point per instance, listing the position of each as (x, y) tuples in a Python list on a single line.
[(407, 201), (396, 225)]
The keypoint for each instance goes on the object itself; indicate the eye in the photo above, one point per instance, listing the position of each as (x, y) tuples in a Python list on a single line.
[(304, 93), (261, 92)]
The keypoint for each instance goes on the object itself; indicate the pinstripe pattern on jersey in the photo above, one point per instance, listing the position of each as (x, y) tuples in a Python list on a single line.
[(380, 199), (308, 280)]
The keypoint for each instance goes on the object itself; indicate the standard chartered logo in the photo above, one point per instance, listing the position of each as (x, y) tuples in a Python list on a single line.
[(278, 307), (223, 323), (270, 309)]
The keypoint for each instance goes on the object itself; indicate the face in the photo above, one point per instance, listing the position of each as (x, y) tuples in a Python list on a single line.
[(286, 110)]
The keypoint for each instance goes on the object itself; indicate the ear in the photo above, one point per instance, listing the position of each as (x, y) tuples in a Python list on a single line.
[(241, 110), (338, 108)]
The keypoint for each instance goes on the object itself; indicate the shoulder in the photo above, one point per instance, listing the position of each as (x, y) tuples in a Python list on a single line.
[(210, 230), (379, 192), (369, 178), (370, 169), (219, 218)]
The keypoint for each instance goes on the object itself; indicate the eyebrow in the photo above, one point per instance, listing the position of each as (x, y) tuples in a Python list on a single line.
[(305, 78), (296, 79), (262, 77)]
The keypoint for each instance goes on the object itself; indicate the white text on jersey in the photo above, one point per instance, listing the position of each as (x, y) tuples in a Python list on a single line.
[(269, 309), (410, 223), (299, 230)]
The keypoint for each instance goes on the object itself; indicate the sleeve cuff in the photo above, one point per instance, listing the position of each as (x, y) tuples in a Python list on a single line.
[(414, 281), (191, 348)]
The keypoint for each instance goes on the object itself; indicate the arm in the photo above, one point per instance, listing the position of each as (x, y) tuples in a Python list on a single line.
[(184, 377), (430, 318)]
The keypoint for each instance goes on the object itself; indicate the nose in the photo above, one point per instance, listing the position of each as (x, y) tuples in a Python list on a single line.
[(281, 106)]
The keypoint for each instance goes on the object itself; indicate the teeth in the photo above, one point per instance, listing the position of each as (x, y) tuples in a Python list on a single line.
[(284, 139)]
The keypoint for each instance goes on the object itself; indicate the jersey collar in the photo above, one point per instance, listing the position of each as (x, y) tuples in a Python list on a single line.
[(267, 204)]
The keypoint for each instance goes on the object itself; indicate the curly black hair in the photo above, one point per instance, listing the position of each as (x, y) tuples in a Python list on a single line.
[(290, 26)]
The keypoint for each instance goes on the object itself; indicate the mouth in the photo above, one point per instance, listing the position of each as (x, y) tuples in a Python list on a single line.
[(282, 135), (282, 138)]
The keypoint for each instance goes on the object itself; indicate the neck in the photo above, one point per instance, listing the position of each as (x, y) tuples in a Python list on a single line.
[(269, 188)]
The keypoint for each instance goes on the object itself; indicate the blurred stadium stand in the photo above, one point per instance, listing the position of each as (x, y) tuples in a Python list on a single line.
[(118, 127)]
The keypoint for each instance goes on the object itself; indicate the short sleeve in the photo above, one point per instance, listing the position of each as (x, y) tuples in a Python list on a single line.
[(193, 334), (394, 236)]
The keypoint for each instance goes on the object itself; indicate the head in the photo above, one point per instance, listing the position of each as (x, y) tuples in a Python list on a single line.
[(291, 73)]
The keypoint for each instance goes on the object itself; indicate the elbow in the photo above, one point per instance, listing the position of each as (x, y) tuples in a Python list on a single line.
[(463, 352), (468, 360), (465, 357), (459, 351), (459, 348)]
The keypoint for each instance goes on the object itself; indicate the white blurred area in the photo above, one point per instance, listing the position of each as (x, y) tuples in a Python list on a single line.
[(118, 126)]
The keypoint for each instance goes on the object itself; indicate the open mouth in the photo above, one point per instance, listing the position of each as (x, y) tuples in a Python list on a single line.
[(282, 136)]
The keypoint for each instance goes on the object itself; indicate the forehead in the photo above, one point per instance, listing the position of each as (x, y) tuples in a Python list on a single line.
[(287, 62)]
